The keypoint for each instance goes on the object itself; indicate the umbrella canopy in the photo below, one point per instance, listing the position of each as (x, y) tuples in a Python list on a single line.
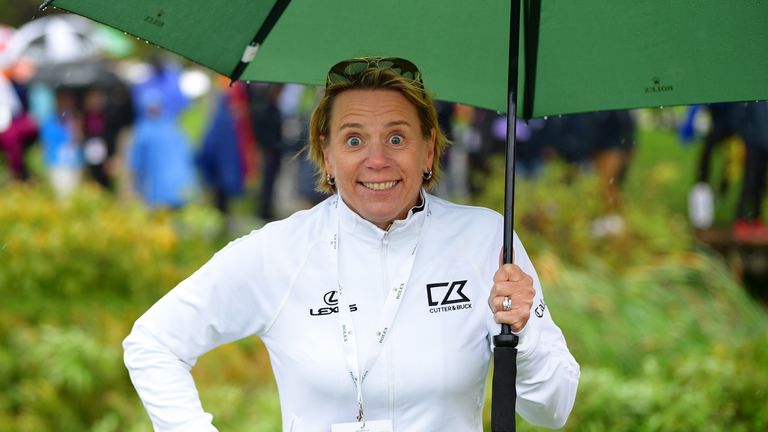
[(575, 56)]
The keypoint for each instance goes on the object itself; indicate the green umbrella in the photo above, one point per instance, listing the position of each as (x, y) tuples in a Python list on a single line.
[(586, 55), (575, 56)]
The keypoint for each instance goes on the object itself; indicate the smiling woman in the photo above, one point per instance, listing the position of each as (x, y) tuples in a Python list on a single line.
[(372, 304), (397, 76), (376, 155)]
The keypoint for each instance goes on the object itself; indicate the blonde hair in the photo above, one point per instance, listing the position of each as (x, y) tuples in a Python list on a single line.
[(374, 77)]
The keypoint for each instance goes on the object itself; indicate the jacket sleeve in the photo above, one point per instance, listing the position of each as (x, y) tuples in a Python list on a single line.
[(547, 373), (219, 303)]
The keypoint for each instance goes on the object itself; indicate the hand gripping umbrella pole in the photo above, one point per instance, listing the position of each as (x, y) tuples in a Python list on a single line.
[(504, 392)]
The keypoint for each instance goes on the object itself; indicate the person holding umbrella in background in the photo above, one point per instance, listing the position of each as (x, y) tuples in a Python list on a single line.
[(374, 305)]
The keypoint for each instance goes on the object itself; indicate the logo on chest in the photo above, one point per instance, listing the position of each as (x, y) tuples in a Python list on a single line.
[(331, 300), (447, 297)]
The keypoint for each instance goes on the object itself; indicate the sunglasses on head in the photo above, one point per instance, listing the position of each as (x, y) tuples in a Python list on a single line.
[(349, 71)]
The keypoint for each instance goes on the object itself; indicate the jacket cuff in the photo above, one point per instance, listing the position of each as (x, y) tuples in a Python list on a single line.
[(528, 339)]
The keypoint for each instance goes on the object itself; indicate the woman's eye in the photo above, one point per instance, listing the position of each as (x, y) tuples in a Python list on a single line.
[(396, 139), (354, 141)]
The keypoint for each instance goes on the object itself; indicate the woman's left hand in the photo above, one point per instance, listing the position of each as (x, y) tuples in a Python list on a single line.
[(510, 281)]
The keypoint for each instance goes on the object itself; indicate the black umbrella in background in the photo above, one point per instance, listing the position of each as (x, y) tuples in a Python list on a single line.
[(78, 74)]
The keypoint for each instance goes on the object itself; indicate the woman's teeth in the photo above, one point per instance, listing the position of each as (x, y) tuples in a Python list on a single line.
[(380, 186)]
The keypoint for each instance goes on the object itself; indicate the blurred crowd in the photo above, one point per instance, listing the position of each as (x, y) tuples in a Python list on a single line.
[(740, 132), (100, 116)]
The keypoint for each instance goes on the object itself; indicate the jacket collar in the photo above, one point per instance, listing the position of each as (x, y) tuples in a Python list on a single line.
[(351, 222)]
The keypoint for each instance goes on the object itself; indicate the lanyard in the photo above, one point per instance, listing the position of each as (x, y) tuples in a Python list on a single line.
[(382, 329)]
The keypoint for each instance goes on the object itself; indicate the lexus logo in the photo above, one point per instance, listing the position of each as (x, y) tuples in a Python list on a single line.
[(331, 299)]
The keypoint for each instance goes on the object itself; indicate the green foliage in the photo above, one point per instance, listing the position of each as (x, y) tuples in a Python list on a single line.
[(674, 346), (721, 390), (555, 212), (87, 245), (74, 277), (61, 379), (666, 338)]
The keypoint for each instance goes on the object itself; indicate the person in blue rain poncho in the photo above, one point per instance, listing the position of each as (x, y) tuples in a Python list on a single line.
[(160, 159)]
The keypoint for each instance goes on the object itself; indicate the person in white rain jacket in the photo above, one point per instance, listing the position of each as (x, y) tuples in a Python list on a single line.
[(378, 305)]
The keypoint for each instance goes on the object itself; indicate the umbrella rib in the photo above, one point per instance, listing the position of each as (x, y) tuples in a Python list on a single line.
[(532, 24), (266, 27)]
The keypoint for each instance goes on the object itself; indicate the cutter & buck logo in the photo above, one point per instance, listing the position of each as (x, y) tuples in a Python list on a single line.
[(447, 297)]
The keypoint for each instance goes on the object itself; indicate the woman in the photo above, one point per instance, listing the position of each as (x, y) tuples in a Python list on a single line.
[(372, 303)]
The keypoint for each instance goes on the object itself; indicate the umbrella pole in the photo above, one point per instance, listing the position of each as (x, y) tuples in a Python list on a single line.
[(250, 50), (504, 392)]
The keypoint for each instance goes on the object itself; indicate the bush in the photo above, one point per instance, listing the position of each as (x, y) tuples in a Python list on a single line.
[(666, 338), (554, 214), (74, 278), (669, 347), (88, 247), (677, 346)]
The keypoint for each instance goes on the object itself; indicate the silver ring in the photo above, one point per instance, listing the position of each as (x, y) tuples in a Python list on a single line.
[(506, 305)]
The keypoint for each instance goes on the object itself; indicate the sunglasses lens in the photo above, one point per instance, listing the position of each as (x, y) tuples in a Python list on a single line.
[(334, 77), (385, 64), (355, 68), (348, 70)]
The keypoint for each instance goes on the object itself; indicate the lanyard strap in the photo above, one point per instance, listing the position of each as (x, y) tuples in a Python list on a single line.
[(382, 329)]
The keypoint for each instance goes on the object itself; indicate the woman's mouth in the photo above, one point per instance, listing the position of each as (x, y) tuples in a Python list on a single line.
[(379, 186)]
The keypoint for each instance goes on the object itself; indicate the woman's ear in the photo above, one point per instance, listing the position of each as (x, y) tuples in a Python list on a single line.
[(430, 156), (327, 163)]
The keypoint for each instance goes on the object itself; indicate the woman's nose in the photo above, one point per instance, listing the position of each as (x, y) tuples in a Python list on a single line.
[(377, 156)]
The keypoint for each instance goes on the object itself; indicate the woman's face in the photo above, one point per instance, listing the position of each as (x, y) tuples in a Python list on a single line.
[(377, 154)]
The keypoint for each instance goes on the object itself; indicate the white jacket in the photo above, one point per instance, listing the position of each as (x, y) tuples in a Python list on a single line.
[(281, 282)]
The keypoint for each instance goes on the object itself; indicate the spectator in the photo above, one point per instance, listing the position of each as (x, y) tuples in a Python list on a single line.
[(268, 128), (95, 147), (220, 159), (160, 159), (19, 131), (613, 147), (723, 126), (752, 126), (62, 138)]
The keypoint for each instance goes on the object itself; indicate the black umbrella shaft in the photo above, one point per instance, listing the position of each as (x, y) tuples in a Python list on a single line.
[(509, 181), (509, 189), (504, 390)]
